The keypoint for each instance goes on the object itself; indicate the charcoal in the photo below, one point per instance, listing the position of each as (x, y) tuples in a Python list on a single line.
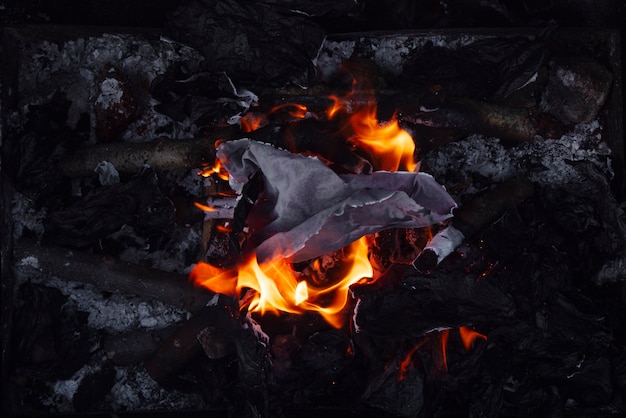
[(137, 202), (31, 154), (319, 369), (115, 107), (417, 305), (201, 97), (399, 397), (50, 335), (577, 88), (250, 42), (93, 389)]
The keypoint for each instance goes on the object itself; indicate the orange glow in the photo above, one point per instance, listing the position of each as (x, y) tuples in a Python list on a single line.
[(296, 110), (468, 336), (444, 347), (204, 207), (403, 367), (217, 168), (390, 147), (252, 121), (223, 228), (334, 109), (280, 289)]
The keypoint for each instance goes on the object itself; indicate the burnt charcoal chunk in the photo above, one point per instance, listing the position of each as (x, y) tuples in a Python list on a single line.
[(50, 334), (249, 41), (137, 202), (577, 88)]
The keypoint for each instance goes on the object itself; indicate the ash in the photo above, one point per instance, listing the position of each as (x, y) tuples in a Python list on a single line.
[(488, 160)]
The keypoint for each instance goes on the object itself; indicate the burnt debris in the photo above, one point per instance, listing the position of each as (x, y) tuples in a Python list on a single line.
[(114, 182)]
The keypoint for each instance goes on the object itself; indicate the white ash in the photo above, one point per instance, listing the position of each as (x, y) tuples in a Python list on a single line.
[(173, 258), (107, 173), (76, 66), (110, 93), (193, 183), (115, 313), (389, 53), (25, 216), (543, 161), (136, 390)]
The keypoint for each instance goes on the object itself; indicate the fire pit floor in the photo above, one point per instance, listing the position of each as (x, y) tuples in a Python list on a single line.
[(518, 314)]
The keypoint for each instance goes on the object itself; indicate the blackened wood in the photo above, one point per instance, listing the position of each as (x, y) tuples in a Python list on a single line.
[(109, 274), (135, 346), (138, 202), (482, 210), (160, 154), (513, 124), (184, 344)]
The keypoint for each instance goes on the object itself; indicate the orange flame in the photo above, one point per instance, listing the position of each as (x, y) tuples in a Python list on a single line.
[(468, 336), (390, 147), (444, 348), (296, 110), (252, 121), (217, 168), (279, 288), (204, 208), (404, 366)]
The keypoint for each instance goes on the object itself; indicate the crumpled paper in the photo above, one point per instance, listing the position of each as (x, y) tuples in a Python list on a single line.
[(309, 210)]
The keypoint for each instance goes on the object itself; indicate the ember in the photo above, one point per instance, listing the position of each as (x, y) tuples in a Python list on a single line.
[(249, 212)]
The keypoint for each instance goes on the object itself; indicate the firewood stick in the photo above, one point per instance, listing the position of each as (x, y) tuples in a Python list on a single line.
[(160, 154), (109, 274), (135, 346), (470, 116), (471, 218), (185, 343)]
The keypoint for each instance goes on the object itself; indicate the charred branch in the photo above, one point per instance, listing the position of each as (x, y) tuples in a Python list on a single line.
[(160, 154), (213, 328), (110, 275), (469, 116), (472, 217)]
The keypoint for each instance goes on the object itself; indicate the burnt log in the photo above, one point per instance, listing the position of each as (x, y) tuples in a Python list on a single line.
[(109, 275), (133, 347), (131, 157), (199, 332), (470, 116), (138, 202), (472, 217)]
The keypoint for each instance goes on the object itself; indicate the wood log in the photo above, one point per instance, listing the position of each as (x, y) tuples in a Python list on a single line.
[(110, 275), (469, 116), (131, 157), (135, 346), (472, 217), (212, 328)]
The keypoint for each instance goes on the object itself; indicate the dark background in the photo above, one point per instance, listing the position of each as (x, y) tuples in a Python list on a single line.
[(370, 14)]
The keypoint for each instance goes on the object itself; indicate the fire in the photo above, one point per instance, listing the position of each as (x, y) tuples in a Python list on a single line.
[(204, 208), (217, 169), (468, 336), (390, 147), (275, 285), (278, 288)]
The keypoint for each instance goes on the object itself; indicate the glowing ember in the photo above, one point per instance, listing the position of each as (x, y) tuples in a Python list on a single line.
[(444, 348), (279, 288), (468, 336), (204, 208)]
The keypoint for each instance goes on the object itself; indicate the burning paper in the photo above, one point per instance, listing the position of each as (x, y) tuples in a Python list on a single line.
[(309, 210)]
